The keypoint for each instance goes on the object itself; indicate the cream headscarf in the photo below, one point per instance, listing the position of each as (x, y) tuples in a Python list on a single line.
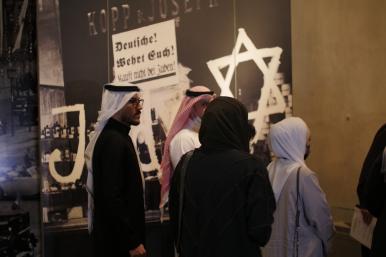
[(114, 98), (288, 139)]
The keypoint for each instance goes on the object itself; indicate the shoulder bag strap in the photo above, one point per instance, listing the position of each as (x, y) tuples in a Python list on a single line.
[(383, 169), (297, 221), (181, 198)]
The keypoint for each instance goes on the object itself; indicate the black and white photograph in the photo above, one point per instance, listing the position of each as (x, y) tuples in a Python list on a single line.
[(238, 49)]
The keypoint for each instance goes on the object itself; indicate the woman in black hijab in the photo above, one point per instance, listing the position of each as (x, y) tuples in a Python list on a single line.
[(228, 202)]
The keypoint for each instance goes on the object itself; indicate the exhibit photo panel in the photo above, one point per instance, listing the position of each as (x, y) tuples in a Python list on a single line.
[(62, 138), (262, 67), (19, 131), (240, 49)]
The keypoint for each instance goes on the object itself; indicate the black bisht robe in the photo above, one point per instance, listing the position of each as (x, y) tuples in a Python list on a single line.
[(228, 200), (375, 189), (376, 148), (119, 217)]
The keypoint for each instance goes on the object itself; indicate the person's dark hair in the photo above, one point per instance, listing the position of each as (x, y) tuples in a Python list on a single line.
[(376, 148)]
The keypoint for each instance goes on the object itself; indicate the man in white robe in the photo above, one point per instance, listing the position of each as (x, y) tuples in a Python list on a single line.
[(183, 133)]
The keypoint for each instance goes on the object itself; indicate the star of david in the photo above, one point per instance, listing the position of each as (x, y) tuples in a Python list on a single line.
[(269, 88)]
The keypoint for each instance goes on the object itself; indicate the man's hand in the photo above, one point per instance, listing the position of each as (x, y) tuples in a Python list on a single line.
[(138, 252), (366, 216)]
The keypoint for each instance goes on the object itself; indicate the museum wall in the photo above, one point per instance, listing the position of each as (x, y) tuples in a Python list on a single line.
[(338, 58)]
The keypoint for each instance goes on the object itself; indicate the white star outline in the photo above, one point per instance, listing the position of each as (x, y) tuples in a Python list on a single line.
[(269, 88)]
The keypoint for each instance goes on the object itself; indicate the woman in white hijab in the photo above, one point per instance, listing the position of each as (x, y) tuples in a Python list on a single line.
[(303, 224)]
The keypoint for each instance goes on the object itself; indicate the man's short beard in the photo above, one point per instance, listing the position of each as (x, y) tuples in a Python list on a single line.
[(133, 122)]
